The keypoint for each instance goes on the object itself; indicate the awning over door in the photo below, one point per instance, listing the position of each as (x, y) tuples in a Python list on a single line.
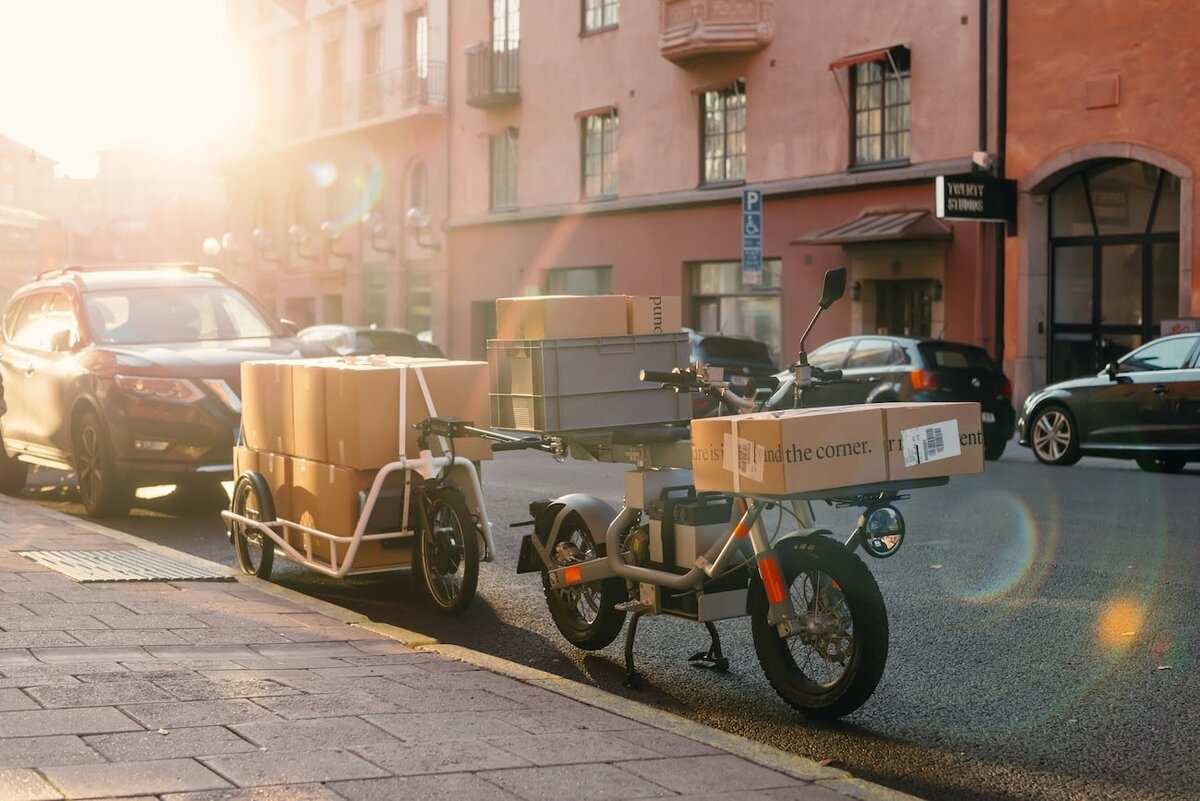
[(885, 226)]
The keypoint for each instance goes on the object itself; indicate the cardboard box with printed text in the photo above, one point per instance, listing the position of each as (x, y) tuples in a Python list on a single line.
[(926, 440), (792, 451), (654, 314), (562, 317)]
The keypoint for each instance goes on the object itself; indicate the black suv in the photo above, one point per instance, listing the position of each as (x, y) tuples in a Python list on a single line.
[(891, 368), (129, 375)]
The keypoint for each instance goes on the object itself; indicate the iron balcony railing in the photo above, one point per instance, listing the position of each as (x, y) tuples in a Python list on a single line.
[(493, 76)]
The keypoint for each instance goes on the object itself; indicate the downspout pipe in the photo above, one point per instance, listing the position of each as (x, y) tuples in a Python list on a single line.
[(1001, 146)]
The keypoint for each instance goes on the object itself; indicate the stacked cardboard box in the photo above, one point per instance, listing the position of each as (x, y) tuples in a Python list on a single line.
[(805, 450), (318, 430), (571, 362)]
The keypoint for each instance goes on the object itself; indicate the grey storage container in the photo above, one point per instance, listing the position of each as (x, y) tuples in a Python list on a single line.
[(555, 385)]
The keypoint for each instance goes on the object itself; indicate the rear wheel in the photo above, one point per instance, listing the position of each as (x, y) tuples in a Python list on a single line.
[(1161, 464), (585, 614), (103, 492), (994, 450), (252, 500), (1054, 437), (447, 552), (831, 667)]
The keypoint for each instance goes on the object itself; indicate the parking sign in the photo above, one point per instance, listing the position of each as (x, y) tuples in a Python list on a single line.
[(752, 266)]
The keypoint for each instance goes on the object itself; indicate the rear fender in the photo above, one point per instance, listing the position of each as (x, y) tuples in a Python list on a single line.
[(595, 513)]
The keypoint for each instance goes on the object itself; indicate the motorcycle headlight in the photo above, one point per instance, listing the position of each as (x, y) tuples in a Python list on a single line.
[(175, 390)]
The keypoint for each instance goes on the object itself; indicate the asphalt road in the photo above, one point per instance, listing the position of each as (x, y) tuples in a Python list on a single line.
[(1044, 642)]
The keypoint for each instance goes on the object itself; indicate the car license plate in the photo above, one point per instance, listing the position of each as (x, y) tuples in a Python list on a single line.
[(988, 417), (739, 380)]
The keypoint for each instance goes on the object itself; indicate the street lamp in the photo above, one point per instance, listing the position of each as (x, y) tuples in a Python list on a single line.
[(298, 234), (419, 221), (333, 236), (373, 223), (264, 245)]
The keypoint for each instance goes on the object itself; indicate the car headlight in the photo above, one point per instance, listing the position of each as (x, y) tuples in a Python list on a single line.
[(176, 390)]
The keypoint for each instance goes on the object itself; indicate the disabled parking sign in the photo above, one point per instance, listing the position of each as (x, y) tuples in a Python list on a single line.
[(752, 265)]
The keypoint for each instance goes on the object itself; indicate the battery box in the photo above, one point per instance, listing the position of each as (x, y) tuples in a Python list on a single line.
[(684, 524)]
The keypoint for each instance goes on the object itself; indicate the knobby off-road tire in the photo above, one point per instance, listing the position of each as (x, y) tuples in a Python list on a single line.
[(252, 500), (833, 672), (446, 556), (586, 614)]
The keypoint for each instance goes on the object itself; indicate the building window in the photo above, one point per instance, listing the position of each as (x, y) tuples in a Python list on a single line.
[(504, 169), (599, 14), (578, 281), (881, 108), (506, 25), (331, 78), (418, 188), (599, 135), (722, 304), (418, 305), (723, 132)]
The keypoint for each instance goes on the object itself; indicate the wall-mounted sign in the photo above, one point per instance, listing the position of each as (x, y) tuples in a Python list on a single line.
[(752, 264), (972, 196)]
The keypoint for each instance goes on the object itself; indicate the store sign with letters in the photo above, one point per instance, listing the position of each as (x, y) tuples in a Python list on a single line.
[(973, 196)]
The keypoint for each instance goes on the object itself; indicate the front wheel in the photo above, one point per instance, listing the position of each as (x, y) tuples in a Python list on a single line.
[(447, 552), (104, 493), (1161, 464), (831, 667), (1054, 438), (585, 614), (252, 500)]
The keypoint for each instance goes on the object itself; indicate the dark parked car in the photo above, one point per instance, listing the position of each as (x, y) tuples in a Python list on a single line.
[(889, 368), (1144, 407), (350, 340), (129, 375), (742, 359)]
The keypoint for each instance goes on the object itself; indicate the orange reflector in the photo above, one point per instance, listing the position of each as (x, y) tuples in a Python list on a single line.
[(573, 575), (772, 580), (740, 531)]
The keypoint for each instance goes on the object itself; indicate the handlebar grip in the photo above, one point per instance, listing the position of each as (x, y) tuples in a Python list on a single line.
[(511, 446), (660, 377)]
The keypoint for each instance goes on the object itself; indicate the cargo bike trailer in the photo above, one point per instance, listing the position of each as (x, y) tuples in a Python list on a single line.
[(438, 513)]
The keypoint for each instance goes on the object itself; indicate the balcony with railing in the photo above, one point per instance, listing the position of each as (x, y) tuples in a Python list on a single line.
[(493, 76), (410, 91), (689, 29)]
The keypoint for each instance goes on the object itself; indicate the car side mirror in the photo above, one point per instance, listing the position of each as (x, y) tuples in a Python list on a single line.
[(289, 328), (1113, 371), (60, 341), (834, 288)]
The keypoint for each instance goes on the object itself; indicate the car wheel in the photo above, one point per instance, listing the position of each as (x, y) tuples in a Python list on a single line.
[(1161, 464), (994, 450), (1054, 437), (13, 473), (101, 489)]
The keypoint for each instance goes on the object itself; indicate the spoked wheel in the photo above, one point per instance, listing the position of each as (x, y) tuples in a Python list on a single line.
[(102, 491), (1161, 464), (1054, 438), (831, 667), (252, 500), (585, 614), (447, 552)]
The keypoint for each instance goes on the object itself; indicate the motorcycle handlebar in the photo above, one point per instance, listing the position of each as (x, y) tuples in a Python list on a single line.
[(661, 377)]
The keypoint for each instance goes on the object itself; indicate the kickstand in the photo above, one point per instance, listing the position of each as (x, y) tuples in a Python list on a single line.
[(632, 679), (713, 659)]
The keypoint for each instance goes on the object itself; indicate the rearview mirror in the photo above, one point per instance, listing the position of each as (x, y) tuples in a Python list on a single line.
[(835, 286), (60, 341), (289, 328)]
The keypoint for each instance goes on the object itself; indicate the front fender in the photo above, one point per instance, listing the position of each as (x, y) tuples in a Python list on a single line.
[(595, 513), (779, 550)]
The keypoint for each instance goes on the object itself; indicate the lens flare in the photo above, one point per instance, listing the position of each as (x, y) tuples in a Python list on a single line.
[(323, 174), (1120, 622)]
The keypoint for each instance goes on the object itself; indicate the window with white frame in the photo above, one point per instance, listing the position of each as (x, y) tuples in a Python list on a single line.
[(723, 133), (503, 169), (881, 108), (598, 134), (599, 14)]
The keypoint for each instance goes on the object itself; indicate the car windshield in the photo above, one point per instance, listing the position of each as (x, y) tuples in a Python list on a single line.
[(152, 315), (952, 356)]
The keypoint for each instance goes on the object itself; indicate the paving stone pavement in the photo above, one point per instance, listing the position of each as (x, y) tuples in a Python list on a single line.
[(243, 691)]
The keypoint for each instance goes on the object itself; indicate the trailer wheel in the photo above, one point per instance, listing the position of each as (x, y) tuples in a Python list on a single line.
[(252, 500)]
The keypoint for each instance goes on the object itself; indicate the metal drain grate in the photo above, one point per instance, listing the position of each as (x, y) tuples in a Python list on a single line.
[(124, 565)]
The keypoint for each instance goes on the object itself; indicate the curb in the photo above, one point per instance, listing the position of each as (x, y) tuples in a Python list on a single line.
[(833, 779)]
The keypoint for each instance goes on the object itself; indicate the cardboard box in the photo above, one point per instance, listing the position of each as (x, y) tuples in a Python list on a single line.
[(276, 469), (562, 317), (325, 497), (371, 407), (308, 409), (244, 459), (793, 451), (654, 314), (267, 405), (926, 440)]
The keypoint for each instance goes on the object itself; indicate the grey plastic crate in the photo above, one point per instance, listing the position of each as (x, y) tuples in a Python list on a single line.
[(554, 385)]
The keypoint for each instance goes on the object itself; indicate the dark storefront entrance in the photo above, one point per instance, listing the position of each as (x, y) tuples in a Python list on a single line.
[(1114, 249)]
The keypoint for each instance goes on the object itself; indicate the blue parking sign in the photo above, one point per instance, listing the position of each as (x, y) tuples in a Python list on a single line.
[(752, 266)]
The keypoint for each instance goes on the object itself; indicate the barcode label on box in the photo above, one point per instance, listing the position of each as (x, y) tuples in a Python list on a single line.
[(930, 443), (744, 458)]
